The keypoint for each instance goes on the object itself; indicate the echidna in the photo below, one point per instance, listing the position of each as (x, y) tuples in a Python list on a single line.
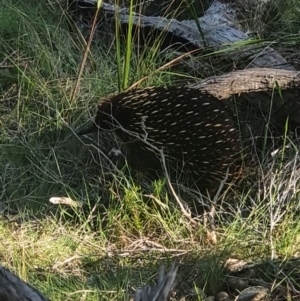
[(196, 132)]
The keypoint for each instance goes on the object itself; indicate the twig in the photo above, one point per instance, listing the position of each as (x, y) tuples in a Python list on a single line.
[(87, 49), (185, 213)]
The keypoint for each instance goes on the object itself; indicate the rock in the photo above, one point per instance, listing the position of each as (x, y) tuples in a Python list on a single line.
[(223, 296), (254, 293)]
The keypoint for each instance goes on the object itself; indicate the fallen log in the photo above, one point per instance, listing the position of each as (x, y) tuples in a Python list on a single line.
[(218, 29), (255, 87), (249, 80)]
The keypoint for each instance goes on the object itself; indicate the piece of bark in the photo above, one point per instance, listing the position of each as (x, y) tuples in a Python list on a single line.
[(12, 288), (162, 290)]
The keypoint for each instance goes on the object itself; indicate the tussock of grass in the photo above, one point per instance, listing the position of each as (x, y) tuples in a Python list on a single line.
[(126, 228)]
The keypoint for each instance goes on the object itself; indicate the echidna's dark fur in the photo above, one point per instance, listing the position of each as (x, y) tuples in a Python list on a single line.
[(195, 130)]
